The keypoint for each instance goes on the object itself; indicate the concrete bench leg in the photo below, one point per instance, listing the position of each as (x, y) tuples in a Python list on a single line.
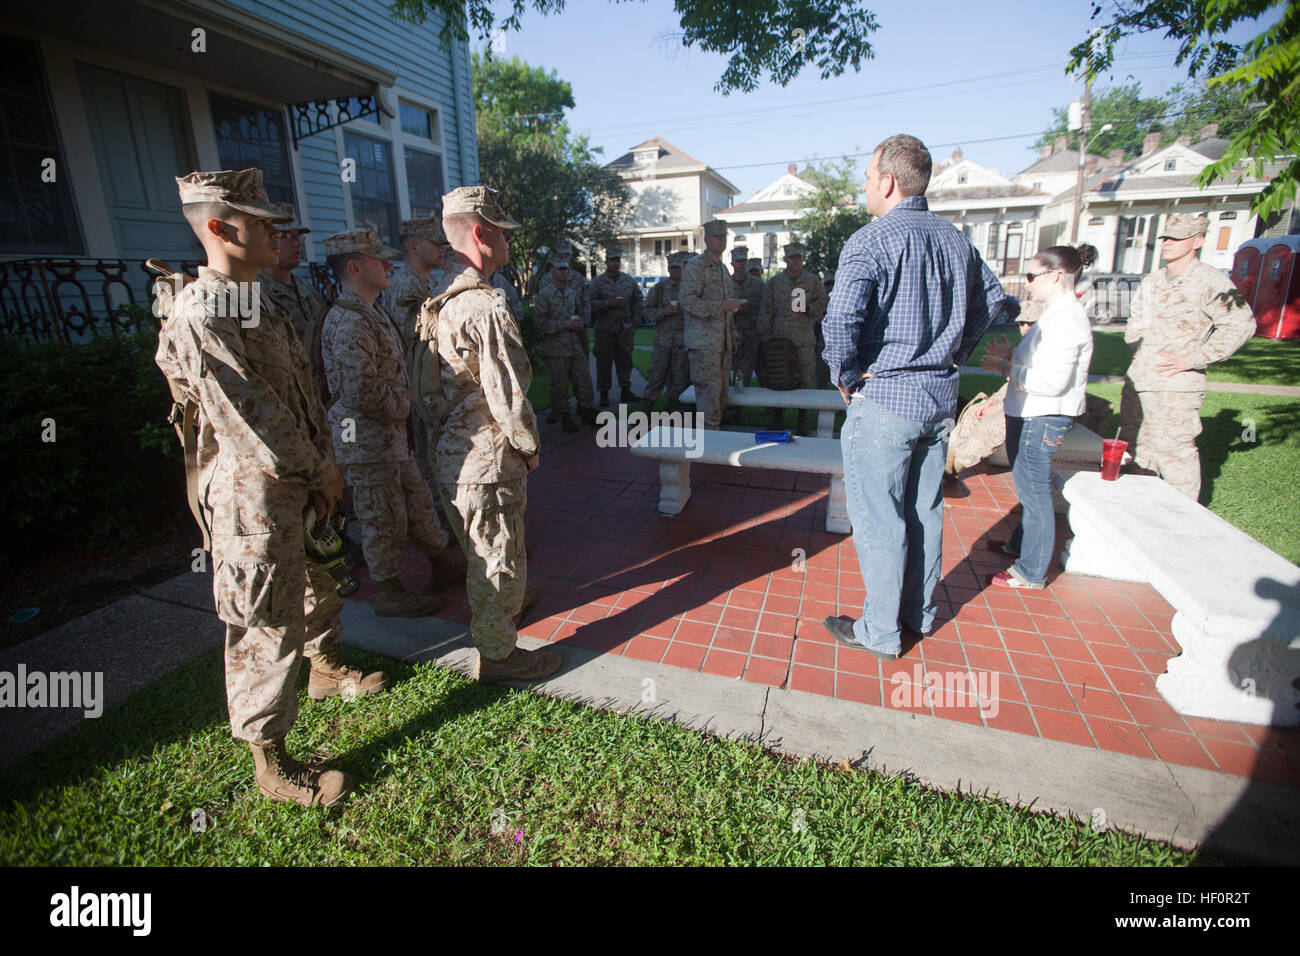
[(825, 424), (1223, 679), (837, 511), (674, 486), (1090, 552)]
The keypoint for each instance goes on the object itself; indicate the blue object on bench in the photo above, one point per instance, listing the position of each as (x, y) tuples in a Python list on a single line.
[(775, 435)]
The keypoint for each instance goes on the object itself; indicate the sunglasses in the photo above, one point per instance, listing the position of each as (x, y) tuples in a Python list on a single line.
[(1031, 276)]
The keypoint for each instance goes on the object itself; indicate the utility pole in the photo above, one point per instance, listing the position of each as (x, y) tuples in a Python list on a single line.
[(1083, 157)]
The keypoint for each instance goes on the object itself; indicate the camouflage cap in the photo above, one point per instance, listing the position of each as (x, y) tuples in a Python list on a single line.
[(563, 247), (240, 189), (293, 225), (428, 228), (613, 252), (364, 241), (481, 200), (739, 252), (678, 259), (793, 249), (715, 227), (755, 264), (1185, 225), (558, 260)]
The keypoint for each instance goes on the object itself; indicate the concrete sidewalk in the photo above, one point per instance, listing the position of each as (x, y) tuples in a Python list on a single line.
[(142, 638), (1292, 391)]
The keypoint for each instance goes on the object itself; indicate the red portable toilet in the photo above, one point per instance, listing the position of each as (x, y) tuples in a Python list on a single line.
[(1245, 269), (1277, 290)]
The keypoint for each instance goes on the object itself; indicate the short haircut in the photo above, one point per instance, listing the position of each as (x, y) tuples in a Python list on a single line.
[(197, 214), (458, 226), (908, 161), (338, 263)]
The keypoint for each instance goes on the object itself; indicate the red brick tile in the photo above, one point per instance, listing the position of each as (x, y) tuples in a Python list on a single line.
[(1014, 620), (770, 645), (979, 635), (1097, 633), (733, 639), (856, 662), (1051, 694), (1003, 600), (1150, 713), (1120, 737), (760, 670), (1039, 604), (689, 656), (855, 687), (1182, 749), (752, 600), (1023, 642), (778, 624), (823, 593), (814, 680), (1133, 683), (988, 659), (786, 588), (646, 649), (888, 669), (1079, 673), (1113, 656), (724, 663), (693, 632), (1128, 619), (818, 655), (1070, 728), (1056, 627), (1218, 729), (1232, 757), (1070, 649), (904, 695), (588, 613), (1011, 716), (740, 618), (943, 652), (818, 611), (705, 613), (777, 604), (542, 629), (604, 641), (1036, 666), (1099, 702), (664, 629), (975, 615)]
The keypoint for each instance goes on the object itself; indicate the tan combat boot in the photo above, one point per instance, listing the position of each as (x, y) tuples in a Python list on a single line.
[(280, 777), (393, 600), (447, 570), (330, 676), (520, 665)]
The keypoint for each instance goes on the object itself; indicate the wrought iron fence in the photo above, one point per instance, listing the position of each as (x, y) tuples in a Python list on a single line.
[(73, 300)]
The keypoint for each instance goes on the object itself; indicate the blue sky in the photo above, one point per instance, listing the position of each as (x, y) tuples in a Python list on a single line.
[(980, 75)]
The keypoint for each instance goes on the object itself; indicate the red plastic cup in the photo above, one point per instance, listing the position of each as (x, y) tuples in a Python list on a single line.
[(1112, 456)]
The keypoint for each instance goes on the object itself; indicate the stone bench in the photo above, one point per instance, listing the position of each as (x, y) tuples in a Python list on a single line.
[(1236, 603), (824, 401), (819, 456)]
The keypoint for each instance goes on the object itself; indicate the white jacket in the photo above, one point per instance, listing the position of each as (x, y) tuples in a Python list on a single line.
[(1049, 368)]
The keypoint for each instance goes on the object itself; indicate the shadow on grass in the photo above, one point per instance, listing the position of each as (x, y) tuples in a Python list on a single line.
[(1230, 432)]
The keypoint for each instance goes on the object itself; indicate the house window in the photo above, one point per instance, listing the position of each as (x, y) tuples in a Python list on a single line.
[(659, 247), (416, 120), (424, 185), (36, 217), (1244, 269), (1038, 185), (252, 135), (1225, 236), (1171, 165), (374, 195), (961, 179), (1227, 215), (1096, 221)]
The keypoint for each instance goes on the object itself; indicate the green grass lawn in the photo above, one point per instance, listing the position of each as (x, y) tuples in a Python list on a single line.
[(451, 772)]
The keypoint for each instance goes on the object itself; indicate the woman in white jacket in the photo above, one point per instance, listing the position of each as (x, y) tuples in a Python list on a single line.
[(1046, 378)]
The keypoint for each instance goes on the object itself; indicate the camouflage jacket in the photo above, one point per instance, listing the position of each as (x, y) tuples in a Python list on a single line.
[(365, 365), (612, 318), (490, 430), (750, 289), (298, 299), (402, 299), (263, 441), (705, 286), (551, 310), (668, 328), (787, 315), (1198, 314)]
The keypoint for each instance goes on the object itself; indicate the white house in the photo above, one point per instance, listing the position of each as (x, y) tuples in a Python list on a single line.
[(674, 194), (765, 221)]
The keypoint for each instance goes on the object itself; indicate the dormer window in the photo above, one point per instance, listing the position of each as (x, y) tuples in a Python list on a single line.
[(961, 179), (1171, 165), (645, 157)]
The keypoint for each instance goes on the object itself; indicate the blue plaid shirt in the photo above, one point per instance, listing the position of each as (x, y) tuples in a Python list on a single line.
[(911, 299)]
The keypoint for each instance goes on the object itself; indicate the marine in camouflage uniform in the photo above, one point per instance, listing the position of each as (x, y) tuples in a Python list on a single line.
[(616, 306), (709, 299), (1182, 318), (366, 367), (488, 437), (750, 291), (562, 314), (786, 314), (668, 365), (263, 452), (295, 296), (499, 281)]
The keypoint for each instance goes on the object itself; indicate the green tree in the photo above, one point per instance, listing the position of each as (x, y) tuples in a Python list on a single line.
[(772, 38), (1266, 68), (1195, 106), (830, 214), (549, 180), (1131, 115)]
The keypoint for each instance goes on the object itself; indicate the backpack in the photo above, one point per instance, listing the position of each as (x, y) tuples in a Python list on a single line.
[(423, 367), (185, 399), (777, 367)]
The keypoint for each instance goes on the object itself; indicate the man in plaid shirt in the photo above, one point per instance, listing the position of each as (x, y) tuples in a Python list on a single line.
[(911, 299)]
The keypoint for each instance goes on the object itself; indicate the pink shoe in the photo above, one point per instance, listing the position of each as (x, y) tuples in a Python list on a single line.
[(1009, 579)]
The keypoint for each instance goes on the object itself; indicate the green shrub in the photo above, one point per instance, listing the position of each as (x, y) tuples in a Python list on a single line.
[(113, 469)]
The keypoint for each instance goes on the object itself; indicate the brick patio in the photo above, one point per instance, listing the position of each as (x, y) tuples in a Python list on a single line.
[(714, 590)]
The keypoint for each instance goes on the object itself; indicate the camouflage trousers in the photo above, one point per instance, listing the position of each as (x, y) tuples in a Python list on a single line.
[(668, 368), (489, 523), (746, 359), (393, 501), (709, 374), (806, 361), (614, 346), (566, 370), (420, 451), (262, 662), (1161, 429)]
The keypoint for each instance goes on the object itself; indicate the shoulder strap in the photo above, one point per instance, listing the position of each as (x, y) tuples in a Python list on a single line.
[(423, 370)]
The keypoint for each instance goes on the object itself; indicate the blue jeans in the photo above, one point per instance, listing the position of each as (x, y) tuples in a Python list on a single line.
[(893, 484), (1031, 443)]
